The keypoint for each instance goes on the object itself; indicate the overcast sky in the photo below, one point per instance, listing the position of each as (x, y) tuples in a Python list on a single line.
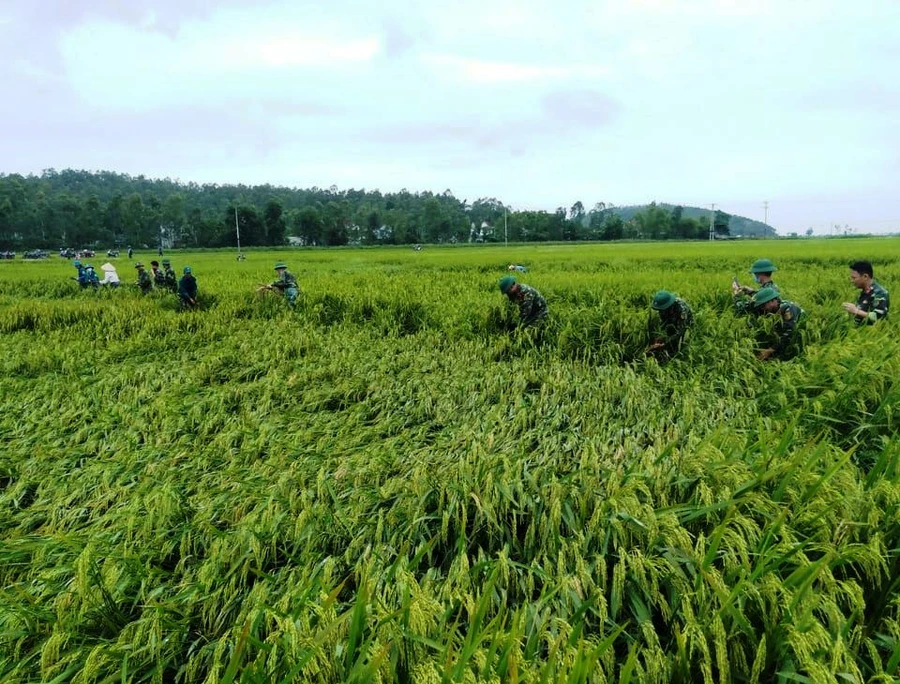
[(539, 104)]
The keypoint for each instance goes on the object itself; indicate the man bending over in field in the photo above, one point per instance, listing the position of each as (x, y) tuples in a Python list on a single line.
[(187, 289), (873, 302), (286, 284), (761, 270), (145, 282), (532, 306), (787, 343), (668, 331), (169, 278)]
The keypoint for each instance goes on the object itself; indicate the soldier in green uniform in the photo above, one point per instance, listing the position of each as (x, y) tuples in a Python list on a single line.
[(873, 301), (286, 283), (532, 306), (761, 270), (667, 332), (787, 342), (170, 280), (159, 278), (145, 282)]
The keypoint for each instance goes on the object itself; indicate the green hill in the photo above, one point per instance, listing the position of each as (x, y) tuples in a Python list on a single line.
[(739, 226)]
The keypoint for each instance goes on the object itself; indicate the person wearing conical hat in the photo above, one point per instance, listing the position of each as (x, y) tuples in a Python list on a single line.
[(668, 331), (761, 270), (145, 282), (110, 276), (787, 341), (285, 283), (532, 306)]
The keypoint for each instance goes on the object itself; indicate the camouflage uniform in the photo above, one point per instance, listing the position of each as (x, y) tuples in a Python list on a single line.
[(672, 326), (532, 306), (875, 302), (170, 279), (788, 342), (743, 301), (159, 278), (145, 282), (287, 285)]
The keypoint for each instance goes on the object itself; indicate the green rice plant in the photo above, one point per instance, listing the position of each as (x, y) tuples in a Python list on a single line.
[(391, 482)]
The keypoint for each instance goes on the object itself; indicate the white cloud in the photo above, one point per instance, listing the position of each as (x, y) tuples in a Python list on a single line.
[(486, 72), (34, 72), (234, 55)]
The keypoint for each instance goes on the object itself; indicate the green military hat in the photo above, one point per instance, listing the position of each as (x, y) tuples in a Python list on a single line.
[(139, 265), (506, 283), (280, 264), (166, 262), (763, 266), (187, 269), (77, 262), (662, 300), (763, 295)]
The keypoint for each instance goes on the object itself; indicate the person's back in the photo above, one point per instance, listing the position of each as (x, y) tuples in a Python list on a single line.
[(532, 305), (675, 318), (110, 276)]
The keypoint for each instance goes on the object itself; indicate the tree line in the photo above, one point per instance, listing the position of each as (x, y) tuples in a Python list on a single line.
[(98, 209)]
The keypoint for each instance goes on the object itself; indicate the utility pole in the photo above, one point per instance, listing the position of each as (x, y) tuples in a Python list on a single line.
[(766, 208), (237, 230), (712, 221), (505, 229)]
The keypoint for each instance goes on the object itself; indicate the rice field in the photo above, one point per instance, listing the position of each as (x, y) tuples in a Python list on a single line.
[(390, 483)]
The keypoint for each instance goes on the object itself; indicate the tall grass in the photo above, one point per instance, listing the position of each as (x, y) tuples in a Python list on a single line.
[(390, 483)]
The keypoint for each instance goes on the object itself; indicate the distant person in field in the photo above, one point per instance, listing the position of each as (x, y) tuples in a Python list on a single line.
[(159, 278), (187, 289), (285, 283), (873, 301), (517, 267), (761, 270), (80, 278), (170, 280), (110, 276), (532, 306), (130, 251), (91, 279), (145, 282), (668, 330), (787, 341)]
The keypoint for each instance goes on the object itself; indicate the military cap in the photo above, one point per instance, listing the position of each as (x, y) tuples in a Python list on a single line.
[(506, 283), (763, 295), (763, 266), (662, 300)]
